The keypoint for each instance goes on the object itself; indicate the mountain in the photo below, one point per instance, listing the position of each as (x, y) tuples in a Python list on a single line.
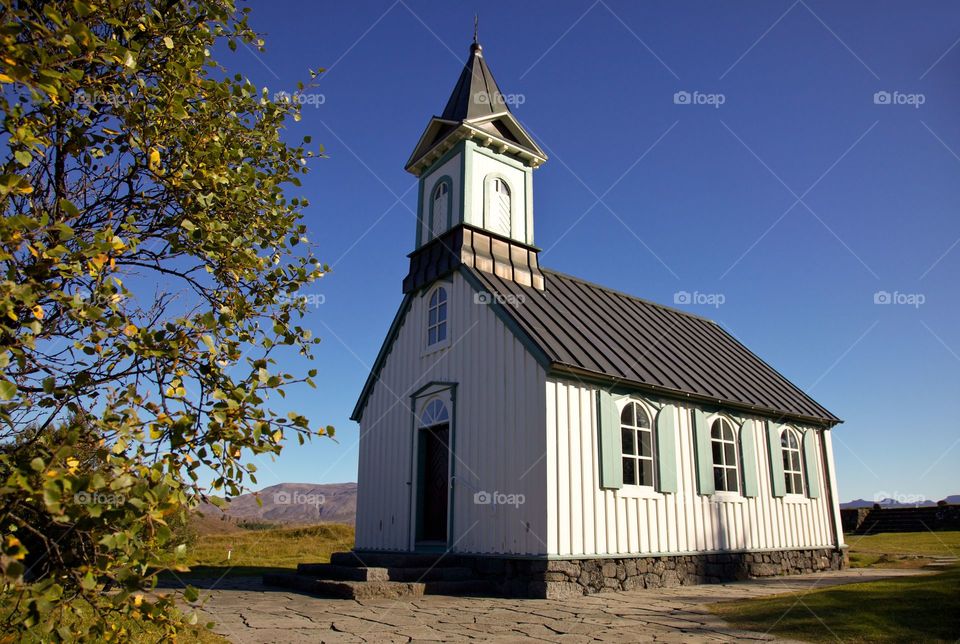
[(292, 503), (891, 503)]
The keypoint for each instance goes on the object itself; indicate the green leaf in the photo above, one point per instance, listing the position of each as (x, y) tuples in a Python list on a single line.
[(7, 390), (191, 594)]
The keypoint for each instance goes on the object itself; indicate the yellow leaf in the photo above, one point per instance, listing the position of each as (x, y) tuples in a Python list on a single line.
[(5, 79), (13, 542), (51, 473), (130, 330), (137, 599), (99, 261), (277, 435), (168, 41), (38, 312), (72, 465), (154, 158)]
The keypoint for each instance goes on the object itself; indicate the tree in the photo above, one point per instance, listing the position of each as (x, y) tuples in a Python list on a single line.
[(151, 261)]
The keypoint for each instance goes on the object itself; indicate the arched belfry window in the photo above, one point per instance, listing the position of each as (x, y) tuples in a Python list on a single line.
[(499, 204), (437, 317), (792, 465), (636, 437), (440, 206), (435, 413), (723, 439)]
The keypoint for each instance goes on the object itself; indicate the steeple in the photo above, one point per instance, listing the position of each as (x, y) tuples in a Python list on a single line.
[(476, 94), (475, 167), (478, 110)]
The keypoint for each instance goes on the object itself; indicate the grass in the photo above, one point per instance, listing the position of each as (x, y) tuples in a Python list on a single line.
[(253, 552), (911, 609), (920, 608), (901, 549)]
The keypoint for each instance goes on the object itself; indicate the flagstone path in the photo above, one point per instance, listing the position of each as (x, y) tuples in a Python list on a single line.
[(247, 612)]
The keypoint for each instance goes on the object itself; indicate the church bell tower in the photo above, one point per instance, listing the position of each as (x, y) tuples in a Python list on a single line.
[(475, 167)]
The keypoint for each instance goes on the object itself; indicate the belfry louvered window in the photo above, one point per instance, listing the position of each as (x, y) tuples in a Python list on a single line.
[(499, 205)]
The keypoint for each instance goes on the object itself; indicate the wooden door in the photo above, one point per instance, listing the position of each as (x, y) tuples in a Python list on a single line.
[(434, 483)]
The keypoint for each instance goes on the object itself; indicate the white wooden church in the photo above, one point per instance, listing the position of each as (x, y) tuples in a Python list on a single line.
[(563, 436)]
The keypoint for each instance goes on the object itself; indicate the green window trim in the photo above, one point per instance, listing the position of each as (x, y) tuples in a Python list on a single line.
[(703, 452), (777, 483), (608, 422), (748, 458), (666, 466), (810, 450)]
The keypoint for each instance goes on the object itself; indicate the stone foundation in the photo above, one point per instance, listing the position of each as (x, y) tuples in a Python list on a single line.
[(557, 579)]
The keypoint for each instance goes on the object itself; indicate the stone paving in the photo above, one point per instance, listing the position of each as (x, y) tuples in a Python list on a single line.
[(247, 612)]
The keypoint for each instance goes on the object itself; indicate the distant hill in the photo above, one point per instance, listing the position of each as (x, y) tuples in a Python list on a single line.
[(891, 503), (291, 503)]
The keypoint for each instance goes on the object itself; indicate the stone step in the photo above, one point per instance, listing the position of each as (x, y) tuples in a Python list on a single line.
[(336, 572), (393, 560), (376, 589), (345, 589)]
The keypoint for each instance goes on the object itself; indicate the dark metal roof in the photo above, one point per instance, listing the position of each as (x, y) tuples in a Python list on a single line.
[(476, 94), (586, 329)]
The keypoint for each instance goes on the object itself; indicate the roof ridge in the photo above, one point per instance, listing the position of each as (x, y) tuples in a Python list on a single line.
[(636, 298)]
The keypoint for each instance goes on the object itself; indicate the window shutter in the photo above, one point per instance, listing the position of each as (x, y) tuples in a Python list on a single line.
[(776, 459), (812, 462), (748, 458), (667, 449), (611, 465), (704, 452)]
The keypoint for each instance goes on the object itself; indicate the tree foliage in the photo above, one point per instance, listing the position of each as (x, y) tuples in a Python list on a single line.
[(150, 263)]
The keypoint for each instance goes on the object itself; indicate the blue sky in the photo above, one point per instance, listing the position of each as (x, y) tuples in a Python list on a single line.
[(795, 201)]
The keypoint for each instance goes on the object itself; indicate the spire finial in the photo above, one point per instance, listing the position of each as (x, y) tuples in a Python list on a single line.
[(475, 47)]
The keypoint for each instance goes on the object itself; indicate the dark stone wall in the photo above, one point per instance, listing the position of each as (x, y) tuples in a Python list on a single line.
[(852, 518), (557, 579), (887, 519)]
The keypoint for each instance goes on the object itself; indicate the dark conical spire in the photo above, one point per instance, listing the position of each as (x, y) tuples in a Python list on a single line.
[(476, 94)]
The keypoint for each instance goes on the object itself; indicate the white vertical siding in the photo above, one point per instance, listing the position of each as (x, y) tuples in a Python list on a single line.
[(498, 434), (587, 520)]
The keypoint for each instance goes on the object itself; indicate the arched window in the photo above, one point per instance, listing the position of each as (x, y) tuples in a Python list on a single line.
[(437, 317), (792, 467), (726, 477), (440, 208), (498, 206), (435, 413), (636, 438)]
